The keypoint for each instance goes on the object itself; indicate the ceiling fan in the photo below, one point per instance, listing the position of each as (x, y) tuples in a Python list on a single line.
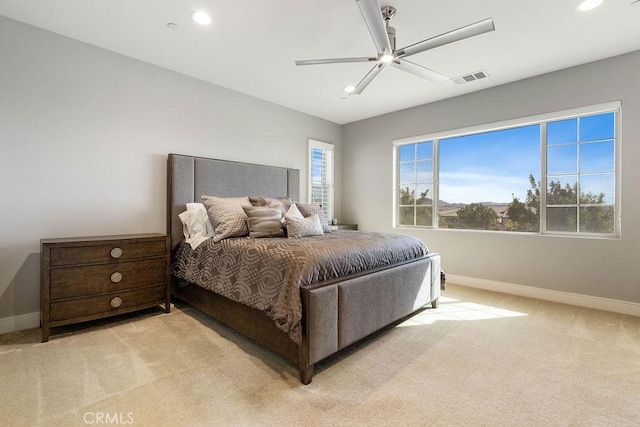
[(384, 37)]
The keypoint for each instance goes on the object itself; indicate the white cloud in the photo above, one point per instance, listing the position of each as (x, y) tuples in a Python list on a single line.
[(470, 188)]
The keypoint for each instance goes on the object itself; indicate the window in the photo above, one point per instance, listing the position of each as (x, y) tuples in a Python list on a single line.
[(416, 184), (552, 174), (321, 175), (581, 174)]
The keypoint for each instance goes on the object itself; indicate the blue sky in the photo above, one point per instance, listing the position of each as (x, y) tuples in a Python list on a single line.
[(489, 167)]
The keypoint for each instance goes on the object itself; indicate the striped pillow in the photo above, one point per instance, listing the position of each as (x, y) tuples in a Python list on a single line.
[(284, 201), (264, 221)]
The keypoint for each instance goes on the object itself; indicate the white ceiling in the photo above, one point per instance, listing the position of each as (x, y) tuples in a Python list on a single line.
[(251, 45)]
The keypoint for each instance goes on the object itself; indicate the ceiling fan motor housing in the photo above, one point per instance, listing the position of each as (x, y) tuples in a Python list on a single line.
[(389, 12), (391, 33)]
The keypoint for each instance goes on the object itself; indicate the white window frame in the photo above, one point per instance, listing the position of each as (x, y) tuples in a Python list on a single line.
[(542, 120), (329, 174)]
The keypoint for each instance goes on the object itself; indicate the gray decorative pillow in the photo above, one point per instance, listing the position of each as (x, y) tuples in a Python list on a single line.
[(285, 201), (227, 216), (264, 221), (304, 227), (308, 209)]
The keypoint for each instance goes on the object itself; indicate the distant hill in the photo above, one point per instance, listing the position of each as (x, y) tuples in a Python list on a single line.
[(443, 203)]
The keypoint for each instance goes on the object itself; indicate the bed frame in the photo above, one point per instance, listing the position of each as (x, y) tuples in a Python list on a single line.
[(335, 313)]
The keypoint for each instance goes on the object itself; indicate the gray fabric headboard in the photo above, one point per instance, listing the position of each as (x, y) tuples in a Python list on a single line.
[(190, 177)]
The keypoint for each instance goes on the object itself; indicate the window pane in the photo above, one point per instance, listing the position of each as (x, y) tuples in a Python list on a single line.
[(562, 159), (562, 132), (406, 216), (424, 171), (597, 157), (423, 194), (562, 190), (481, 175), (407, 195), (597, 127), (597, 189), (562, 219), (407, 153), (597, 219), (425, 150), (408, 173), (424, 215)]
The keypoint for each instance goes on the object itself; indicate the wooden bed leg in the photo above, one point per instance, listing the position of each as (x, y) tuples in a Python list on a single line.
[(434, 303), (306, 373)]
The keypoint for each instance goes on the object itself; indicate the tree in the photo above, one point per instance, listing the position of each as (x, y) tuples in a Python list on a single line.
[(478, 217), (525, 216), (521, 218), (592, 218), (407, 201), (407, 197)]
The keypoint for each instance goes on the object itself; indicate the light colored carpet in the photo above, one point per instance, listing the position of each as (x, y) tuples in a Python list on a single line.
[(480, 359)]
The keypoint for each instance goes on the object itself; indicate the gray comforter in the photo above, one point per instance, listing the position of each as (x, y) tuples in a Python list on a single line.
[(267, 274)]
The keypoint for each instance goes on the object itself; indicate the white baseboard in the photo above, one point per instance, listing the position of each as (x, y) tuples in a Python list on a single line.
[(17, 323), (616, 306)]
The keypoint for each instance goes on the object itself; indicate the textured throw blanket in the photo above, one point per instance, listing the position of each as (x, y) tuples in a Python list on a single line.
[(267, 274)]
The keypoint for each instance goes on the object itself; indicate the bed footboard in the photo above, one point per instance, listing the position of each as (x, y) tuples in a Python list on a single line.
[(338, 314)]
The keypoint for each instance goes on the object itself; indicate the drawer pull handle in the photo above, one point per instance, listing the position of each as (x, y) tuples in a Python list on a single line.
[(116, 253), (116, 302), (116, 277)]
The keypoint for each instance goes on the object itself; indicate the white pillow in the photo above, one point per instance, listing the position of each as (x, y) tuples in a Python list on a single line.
[(293, 212), (195, 225), (203, 212)]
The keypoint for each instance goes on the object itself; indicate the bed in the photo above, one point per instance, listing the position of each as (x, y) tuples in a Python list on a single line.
[(336, 312)]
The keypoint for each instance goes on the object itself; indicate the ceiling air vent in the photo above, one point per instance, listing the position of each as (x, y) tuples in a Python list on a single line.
[(478, 75)]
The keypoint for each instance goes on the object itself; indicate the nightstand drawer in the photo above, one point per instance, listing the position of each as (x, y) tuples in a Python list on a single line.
[(118, 250), (69, 282), (113, 303)]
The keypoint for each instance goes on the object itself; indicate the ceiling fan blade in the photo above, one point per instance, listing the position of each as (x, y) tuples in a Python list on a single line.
[(372, 15), (367, 79), (420, 71), (335, 60), (462, 33)]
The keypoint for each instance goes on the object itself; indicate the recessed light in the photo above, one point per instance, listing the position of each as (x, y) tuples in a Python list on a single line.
[(349, 89), (588, 5), (201, 17), (635, 3), (172, 26)]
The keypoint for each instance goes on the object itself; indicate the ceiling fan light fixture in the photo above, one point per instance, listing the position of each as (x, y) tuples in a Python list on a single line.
[(200, 17), (386, 58), (588, 5)]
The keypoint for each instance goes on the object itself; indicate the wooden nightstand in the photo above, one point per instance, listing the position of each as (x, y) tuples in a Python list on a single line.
[(344, 227), (89, 278)]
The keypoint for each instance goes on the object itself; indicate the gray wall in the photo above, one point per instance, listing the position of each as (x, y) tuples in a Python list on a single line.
[(84, 137), (595, 267)]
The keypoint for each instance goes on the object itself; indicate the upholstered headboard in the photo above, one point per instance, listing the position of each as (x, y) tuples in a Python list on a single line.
[(190, 177)]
